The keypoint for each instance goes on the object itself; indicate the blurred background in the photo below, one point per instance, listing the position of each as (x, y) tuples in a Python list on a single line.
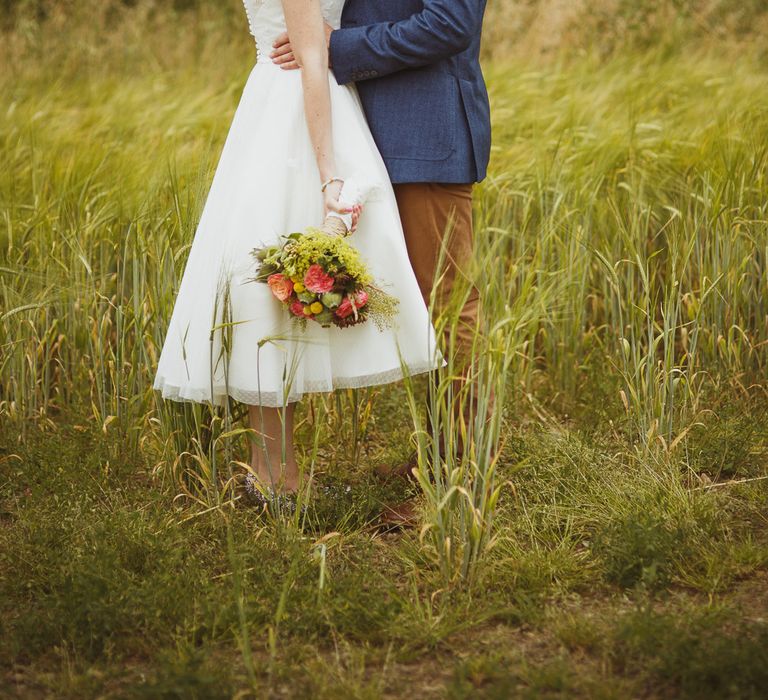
[(528, 28)]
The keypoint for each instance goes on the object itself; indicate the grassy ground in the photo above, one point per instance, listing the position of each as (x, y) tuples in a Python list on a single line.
[(624, 234), (608, 579)]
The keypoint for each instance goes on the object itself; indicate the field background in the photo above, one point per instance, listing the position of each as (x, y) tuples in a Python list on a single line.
[(623, 236)]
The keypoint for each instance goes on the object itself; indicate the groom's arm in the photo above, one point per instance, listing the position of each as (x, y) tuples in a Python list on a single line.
[(443, 28)]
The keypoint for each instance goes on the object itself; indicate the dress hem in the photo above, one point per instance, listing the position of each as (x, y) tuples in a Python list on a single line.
[(273, 399)]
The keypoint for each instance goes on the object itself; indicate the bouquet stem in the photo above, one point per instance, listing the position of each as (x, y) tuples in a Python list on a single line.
[(334, 226)]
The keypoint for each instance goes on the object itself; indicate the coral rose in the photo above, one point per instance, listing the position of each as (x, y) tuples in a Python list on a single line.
[(316, 280), (280, 285)]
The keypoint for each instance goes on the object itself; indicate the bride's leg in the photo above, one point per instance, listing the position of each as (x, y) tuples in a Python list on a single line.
[(274, 462)]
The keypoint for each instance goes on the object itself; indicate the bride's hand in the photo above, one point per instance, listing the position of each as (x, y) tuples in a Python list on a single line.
[(357, 209), (332, 204)]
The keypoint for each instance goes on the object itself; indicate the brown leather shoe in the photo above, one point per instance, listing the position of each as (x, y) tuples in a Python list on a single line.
[(385, 472), (398, 516)]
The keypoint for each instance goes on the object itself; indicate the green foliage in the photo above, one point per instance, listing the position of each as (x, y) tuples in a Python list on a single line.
[(86, 580), (643, 545), (187, 672), (725, 448), (482, 677), (700, 656)]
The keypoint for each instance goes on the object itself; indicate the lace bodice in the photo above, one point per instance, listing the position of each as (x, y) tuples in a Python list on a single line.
[(267, 21)]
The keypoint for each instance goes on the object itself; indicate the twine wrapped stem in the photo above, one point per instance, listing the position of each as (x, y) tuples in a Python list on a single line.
[(334, 226)]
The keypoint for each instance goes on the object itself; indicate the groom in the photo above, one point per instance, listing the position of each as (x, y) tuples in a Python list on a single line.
[(417, 69)]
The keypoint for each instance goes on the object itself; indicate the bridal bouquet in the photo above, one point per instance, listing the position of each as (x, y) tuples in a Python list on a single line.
[(319, 276)]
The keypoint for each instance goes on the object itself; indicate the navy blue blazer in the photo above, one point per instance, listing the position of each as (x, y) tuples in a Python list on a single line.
[(417, 68)]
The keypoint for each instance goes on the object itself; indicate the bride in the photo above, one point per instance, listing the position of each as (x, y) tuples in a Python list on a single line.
[(295, 138)]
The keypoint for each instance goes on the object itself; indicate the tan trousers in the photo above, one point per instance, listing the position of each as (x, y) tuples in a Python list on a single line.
[(431, 212)]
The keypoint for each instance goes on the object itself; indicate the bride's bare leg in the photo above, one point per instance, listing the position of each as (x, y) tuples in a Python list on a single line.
[(272, 464)]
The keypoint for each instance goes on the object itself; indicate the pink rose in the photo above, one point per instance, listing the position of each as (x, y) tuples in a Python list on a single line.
[(344, 309), (297, 308), (317, 281), (281, 286)]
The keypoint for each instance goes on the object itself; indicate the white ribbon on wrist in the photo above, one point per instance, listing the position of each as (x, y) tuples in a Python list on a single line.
[(356, 190)]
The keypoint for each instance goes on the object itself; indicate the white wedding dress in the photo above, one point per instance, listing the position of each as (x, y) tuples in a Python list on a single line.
[(229, 335)]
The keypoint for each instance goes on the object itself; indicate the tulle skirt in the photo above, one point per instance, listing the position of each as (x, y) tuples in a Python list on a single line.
[(227, 334)]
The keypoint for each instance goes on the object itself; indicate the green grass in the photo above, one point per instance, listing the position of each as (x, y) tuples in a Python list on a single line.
[(623, 231), (107, 587)]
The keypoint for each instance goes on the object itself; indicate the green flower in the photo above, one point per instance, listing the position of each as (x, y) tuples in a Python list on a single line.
[(324, 318), (331, 299), (306, 297)]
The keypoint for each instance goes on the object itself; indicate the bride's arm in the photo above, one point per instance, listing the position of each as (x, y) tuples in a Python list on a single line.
[(305, 25)]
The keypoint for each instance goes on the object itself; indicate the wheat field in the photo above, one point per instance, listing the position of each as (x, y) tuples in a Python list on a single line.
[(618, 546)]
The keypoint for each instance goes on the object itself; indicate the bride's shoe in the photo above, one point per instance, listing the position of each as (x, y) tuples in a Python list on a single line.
[(263, 496)]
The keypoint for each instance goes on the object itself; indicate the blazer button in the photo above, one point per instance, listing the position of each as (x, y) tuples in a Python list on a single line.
[(374, 73)]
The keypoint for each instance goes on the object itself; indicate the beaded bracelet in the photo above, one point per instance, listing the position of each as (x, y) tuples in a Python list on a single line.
[(329, 181)]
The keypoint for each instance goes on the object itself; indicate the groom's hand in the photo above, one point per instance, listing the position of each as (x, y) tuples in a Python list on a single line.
[(282, 53)]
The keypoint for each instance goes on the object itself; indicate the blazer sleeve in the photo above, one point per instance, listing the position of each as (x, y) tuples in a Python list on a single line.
[(442, 29)]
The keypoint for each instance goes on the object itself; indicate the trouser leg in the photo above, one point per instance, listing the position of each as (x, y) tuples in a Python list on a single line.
[(432, 213)]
